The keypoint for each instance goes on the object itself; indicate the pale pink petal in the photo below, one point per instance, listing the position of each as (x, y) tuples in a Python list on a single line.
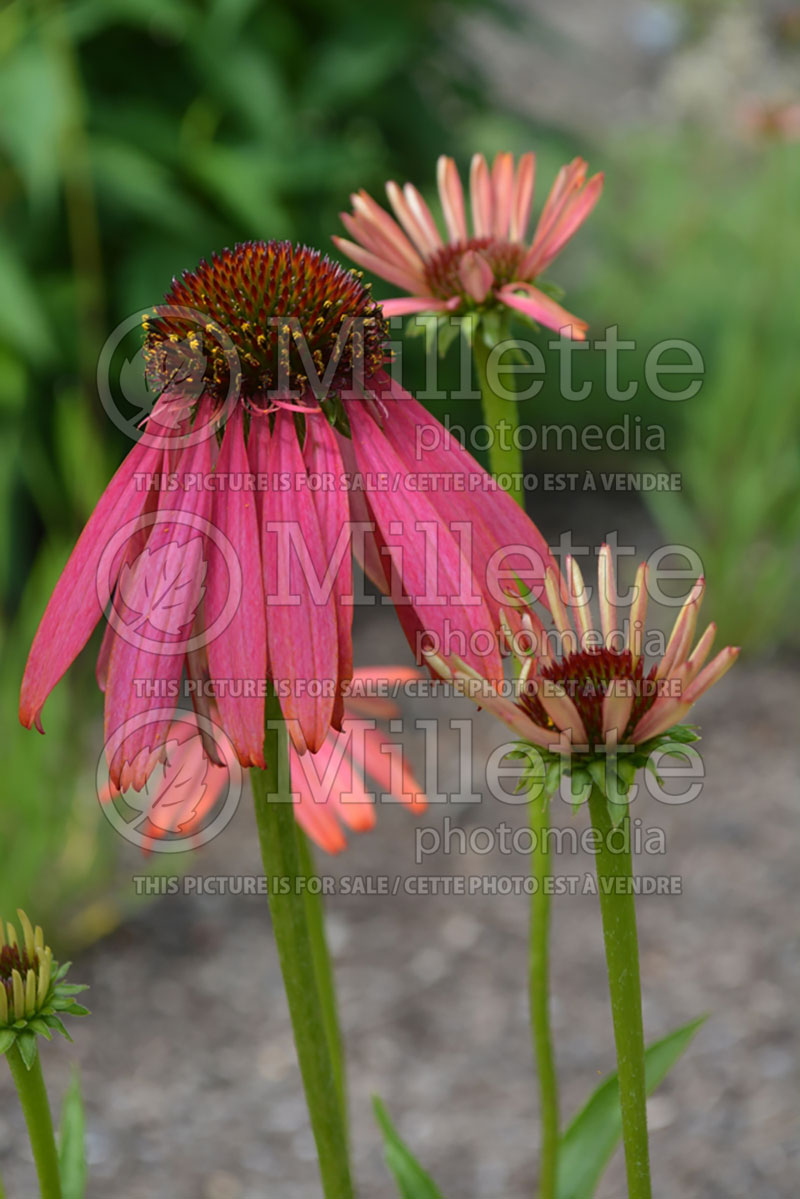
[(451, 195), (712, 673), (422, 215), (74, 608), (416, 228), (617, 707), (542, 308), (579, 599), (302, 635), (476, 275), (239, 652), (383, 267), (480, 192), (370, 211), (682, 633), (606, 593), (701, 652), (523, 197), (574, 213), (317, 820), (638, 611), (503, 192), (562, 711), (568, 181), (406, 305)]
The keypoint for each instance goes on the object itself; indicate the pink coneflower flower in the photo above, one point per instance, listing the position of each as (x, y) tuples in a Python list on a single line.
[(594, 694), (492, 265), (330, 785), (222, 546)]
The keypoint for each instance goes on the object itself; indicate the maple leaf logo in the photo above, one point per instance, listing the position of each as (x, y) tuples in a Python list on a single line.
[(164, 586)]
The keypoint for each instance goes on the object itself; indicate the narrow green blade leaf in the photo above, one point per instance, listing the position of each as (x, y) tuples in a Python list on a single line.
[(26, 1044), (7, 1039), (412, 1181), (592, 1137), (72, 1152)]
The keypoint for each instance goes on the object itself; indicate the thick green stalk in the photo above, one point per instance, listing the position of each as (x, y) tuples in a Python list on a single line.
[(539, 981), (36, 1109), (618, 910), (504, 454), (283, 867)]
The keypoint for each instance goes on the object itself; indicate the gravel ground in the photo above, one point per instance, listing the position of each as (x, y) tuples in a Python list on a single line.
[(188, 1065)]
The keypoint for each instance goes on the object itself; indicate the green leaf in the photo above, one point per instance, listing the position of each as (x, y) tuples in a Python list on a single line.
[(7, 1039), (592, 1137), (72, 1151), (26, 1043), (412, 1181)]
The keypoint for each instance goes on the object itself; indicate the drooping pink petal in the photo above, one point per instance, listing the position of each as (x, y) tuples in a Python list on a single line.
[(471, 503), (301, 618), (154, 609), (421, 551), (451, 195), (238, 654), (542, 308), (74, 608), (324, 462)]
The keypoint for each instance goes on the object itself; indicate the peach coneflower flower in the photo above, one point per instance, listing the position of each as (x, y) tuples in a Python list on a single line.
[(595, 694), (491, 264), (222, 546)]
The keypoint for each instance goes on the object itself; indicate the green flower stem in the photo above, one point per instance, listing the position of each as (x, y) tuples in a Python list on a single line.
[(36, 1109), (292, 924), (496, 408), (539, 980), (315, 911), (618, 910)]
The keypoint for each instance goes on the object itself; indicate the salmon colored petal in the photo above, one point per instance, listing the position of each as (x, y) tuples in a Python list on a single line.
[(384, 760), (451, 194), (74, 608), (238, 655), (523, 197), (542, 308), (503, 191), (301, 616), (383, 267), (480, 194)]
